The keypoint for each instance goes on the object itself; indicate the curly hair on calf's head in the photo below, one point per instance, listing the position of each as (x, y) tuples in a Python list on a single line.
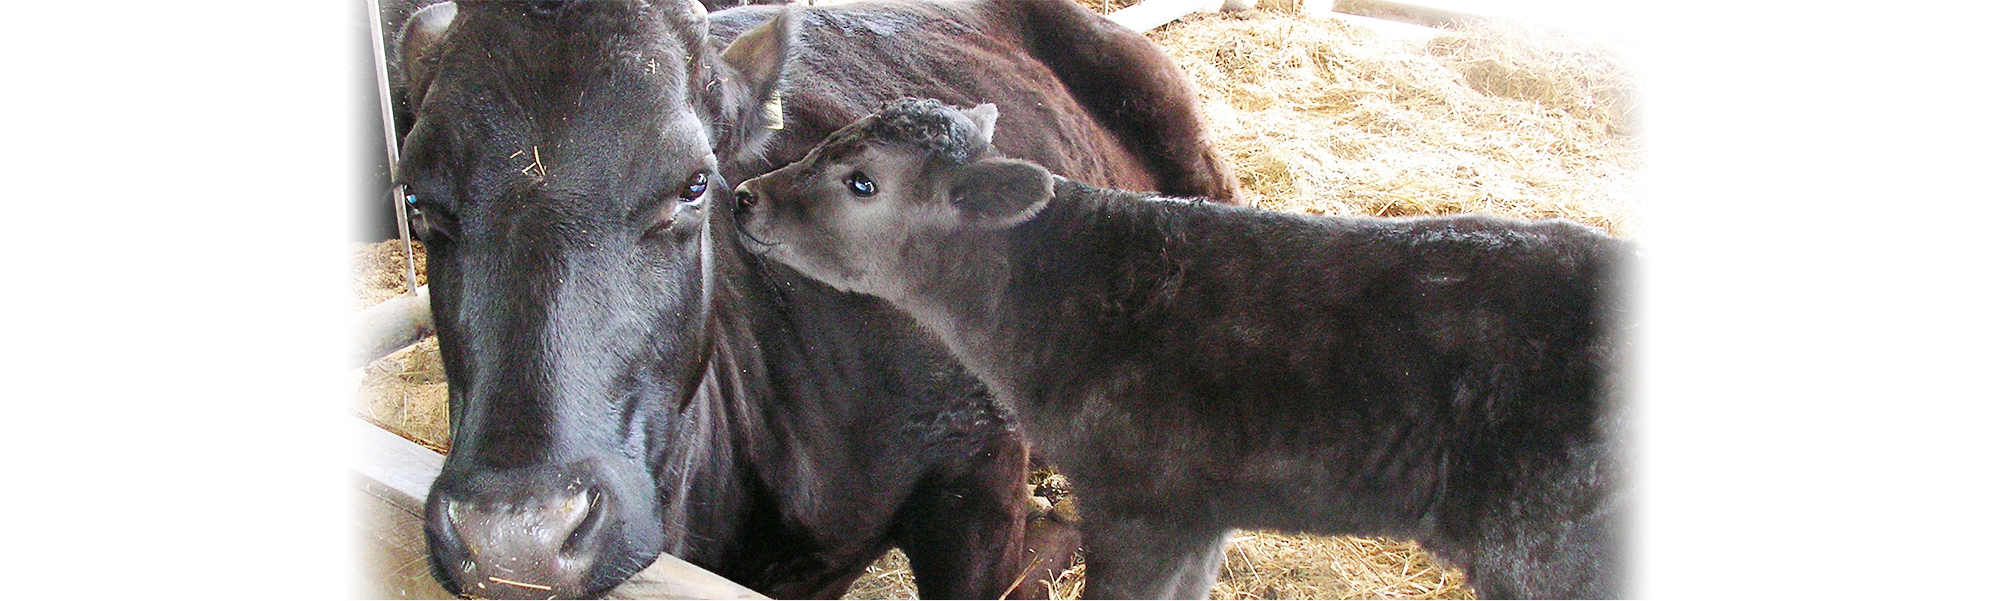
[(941, 131)]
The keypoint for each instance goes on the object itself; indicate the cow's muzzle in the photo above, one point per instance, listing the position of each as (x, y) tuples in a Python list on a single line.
[(523, 534)]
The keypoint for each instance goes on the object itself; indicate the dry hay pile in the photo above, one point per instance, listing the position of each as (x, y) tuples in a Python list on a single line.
[(1258, 565), (1316, 116), (378, 271), (405, 391)]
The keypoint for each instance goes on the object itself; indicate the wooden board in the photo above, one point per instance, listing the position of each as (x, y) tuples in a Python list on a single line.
[(392, 477), (390, 540)]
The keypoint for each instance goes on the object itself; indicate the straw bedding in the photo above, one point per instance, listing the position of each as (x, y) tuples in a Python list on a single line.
[(1320, 117), (405, 391)]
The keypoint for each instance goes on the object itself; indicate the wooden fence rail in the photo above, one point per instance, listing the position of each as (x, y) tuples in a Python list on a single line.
[(392, 477)]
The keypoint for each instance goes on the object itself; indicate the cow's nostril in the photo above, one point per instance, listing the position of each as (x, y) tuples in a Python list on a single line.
[(578, 516), (745, 199), (551, 542)]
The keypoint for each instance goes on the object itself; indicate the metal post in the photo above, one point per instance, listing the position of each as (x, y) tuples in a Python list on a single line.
[(389, 138)]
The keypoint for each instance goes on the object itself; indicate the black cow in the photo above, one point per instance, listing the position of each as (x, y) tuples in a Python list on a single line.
[(625, 382), (1196, 368)]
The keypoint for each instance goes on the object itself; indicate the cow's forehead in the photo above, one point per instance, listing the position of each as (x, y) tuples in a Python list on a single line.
[(516, 57), (577, 97)]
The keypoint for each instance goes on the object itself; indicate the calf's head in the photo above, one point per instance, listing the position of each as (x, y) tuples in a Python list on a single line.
[(891, 197), (563, 169)]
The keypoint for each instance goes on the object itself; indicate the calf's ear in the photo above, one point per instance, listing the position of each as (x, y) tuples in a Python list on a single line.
[(999, 193)]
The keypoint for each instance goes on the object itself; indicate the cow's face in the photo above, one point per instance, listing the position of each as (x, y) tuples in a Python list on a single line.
[(887, 200), (563, 168)]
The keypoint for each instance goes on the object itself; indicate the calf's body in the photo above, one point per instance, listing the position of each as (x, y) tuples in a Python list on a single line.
[(1197, 368)]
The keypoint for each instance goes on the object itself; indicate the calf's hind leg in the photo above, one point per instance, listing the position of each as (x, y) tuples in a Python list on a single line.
[(1145, 557), (1557, 533)]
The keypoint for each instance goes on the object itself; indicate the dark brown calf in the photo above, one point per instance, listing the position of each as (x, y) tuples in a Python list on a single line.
[(1198, 368)]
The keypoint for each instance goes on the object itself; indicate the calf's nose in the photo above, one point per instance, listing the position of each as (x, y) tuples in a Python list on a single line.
[(533, 548)]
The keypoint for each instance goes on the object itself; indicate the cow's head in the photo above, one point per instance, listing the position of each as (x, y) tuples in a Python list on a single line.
[(885, 202), (563, 166)]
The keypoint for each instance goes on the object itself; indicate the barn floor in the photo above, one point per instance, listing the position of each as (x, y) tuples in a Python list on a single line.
[(1317, 116)]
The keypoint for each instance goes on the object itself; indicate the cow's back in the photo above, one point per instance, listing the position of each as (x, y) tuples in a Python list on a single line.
[(852, 58)]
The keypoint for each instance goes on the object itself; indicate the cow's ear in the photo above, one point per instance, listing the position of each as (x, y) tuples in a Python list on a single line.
[(419, 37), (983, 117), (999, 193), (759, 55)]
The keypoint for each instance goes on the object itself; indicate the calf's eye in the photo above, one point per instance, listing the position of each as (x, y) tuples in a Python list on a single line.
[(697, 184), (860, 185)]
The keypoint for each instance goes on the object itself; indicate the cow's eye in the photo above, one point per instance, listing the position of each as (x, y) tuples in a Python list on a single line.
[(697, 185), (691, 194), (424, 224), (419, 219), (860, 185)]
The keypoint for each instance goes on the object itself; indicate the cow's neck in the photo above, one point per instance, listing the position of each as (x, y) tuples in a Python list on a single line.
[(759, 502), (701, 496), (706, 487)]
